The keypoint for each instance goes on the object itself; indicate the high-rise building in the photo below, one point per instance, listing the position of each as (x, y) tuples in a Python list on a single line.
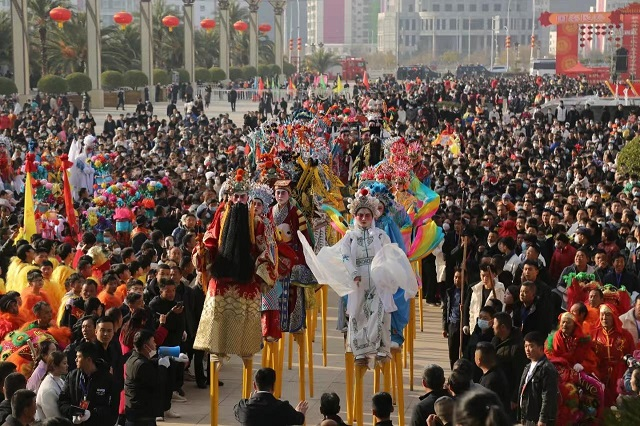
[(344, 26)]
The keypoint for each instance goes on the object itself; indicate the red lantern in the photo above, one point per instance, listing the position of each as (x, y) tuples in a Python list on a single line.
[(170, 22), (60, 15), (123, 19), (208, 24), (240, 26), (264, 28)]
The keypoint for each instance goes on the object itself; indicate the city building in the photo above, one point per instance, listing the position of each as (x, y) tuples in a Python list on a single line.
[(408, 27), (347, 27)]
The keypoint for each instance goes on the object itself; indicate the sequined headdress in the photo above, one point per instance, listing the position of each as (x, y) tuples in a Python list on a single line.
[(239, 182), (261, 192), (362, 199)]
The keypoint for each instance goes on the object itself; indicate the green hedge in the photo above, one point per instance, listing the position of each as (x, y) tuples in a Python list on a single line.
[(161, 76), (248, 72), (79, 82), (112, 80), (7, 86), (184, 75), (203, 75), (217, 74), (135, 79), (52, 84), (235, 73)]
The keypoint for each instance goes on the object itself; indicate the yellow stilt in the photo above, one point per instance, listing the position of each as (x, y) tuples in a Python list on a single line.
[(314, 314), (421, 309), (399, 385), (349, 367), (376, 378), (324, 291), (214, 392), (394, 379), (290, 362), (361, 369), (300, 340), (265, 361), (279, 362), (310, 333), (386, 374), (412, 336), (247, 374), (405, 347)]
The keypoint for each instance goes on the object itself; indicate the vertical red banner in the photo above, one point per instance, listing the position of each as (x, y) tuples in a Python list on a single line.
[(566, 47), (631, 25)]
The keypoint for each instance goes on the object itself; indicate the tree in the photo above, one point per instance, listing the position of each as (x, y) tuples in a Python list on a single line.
[(217, 74), (207, 47), (203, 75), (52, 84), (112, 80), (7, 86), (274, 69), (288, 69), (6, 48), (235, 73), (78, 82), (162, 77), (321, 60), (39, 13), (135, 79), (450, 57), (168, 46), (628, 161)]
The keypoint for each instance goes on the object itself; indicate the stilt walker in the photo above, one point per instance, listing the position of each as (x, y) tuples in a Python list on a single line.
[(241, 254)]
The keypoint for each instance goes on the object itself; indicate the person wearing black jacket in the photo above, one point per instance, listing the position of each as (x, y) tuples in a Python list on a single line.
[(264, 409), (143, 383), (433, 382), (165, 304), (493, 377), (12, 383), (531, 313), (538, 384), (451, 316), (90, 386)]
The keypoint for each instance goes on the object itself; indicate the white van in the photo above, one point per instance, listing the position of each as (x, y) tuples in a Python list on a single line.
[(543, 67)]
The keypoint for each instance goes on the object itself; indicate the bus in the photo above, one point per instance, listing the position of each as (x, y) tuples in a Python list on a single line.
[(543, 67), (412, 72)]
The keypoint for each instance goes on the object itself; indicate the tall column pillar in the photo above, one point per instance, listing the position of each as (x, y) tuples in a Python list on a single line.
[(189, 53), (278, 23), (254, 5), (94, 53), (146, 42), (223, 17), (20, 22)]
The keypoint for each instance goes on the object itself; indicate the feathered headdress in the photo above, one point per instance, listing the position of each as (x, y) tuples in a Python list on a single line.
[(382, 193), (415, 149), (239, 182), (362, 200), (261, 192)]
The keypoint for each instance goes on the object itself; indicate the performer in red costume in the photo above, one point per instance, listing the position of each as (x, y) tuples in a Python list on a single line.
[(288, 220), (241, 259), (612, 343)]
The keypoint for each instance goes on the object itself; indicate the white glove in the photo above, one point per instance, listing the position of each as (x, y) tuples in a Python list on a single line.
[(184, 358), (465, 330), (578, 367), (164, 362), (81, 419)]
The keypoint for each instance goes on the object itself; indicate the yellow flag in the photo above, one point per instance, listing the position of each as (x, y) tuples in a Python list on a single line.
[(29, 226), (339, 86)]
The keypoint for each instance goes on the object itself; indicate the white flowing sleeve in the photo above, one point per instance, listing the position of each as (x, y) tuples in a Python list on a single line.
[(328, 266), (390, 270)]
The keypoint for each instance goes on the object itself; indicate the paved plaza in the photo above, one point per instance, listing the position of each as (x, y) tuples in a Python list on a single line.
[(430, 346)]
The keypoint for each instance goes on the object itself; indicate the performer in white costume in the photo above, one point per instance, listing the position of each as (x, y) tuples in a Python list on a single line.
[(81, 172)]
